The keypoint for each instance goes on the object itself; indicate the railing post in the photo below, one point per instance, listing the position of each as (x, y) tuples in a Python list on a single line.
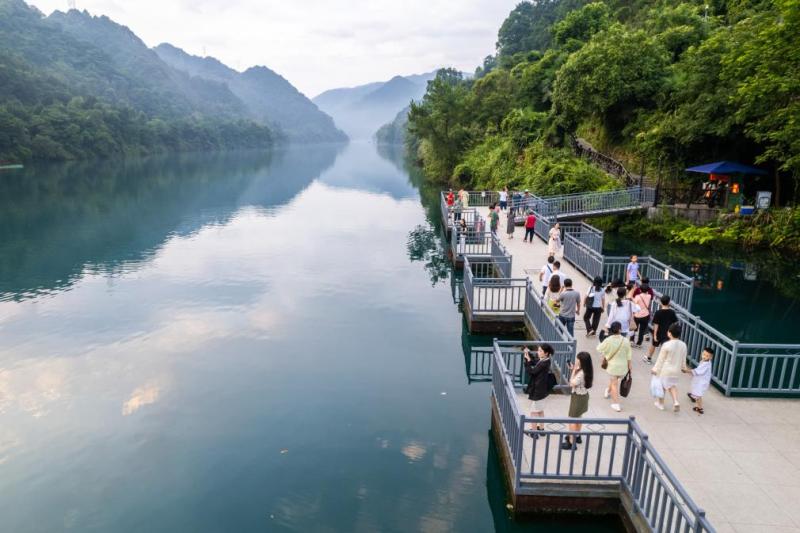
[(637, 488), (732, 368), (518, 454), (698, 521)]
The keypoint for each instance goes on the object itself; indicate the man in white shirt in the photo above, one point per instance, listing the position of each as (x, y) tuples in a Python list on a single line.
[(546, 273)]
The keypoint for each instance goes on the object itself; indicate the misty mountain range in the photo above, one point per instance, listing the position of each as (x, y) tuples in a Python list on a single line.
[(360, 111), (74, 54)]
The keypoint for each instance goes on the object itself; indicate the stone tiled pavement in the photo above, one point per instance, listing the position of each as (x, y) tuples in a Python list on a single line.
[(740, 461)]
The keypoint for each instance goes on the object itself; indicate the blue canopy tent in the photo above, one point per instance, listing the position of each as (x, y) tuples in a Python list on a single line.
[(726, 167), (720, 189)]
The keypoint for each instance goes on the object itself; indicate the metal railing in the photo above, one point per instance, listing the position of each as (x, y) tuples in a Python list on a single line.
[(544, 321), (613, 451), (496, 296), (582, 257), (737, 368), (595, 203), (663, 278)]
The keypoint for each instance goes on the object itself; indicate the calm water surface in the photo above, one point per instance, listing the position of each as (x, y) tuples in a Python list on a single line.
[(236, 342)]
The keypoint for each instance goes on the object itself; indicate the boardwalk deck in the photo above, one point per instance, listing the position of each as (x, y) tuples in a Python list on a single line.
[(740, 461)]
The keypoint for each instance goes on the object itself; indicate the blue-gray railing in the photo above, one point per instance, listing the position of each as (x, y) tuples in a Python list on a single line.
[(489, 293), (595, 203), (663, 278), (737, 368), (614, 451), (566, 205)]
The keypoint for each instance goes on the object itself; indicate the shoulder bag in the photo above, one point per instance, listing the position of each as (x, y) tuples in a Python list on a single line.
[(604, 362)]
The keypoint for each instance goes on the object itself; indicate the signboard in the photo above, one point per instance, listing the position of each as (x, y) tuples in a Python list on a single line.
[(763, 199)]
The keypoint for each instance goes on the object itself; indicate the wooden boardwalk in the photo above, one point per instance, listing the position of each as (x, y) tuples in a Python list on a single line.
[(740, 461)]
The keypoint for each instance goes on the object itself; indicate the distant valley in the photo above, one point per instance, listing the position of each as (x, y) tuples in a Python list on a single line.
[(360, 111)]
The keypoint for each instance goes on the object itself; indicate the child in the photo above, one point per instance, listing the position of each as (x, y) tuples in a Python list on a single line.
[(701, 379)]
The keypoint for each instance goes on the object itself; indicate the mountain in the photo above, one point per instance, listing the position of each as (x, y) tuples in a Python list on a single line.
[(395, 131), (74, 86), (130, 56), (265, 95), (361, 110)]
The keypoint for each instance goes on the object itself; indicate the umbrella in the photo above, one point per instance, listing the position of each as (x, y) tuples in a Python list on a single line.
[(726, 167)]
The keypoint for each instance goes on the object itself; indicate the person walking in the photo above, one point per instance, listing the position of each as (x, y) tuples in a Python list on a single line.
[(701, 379), (643, 298), (516, 203), (538, 388), (464, 195), (553, 291), (662, 320), (530, 226), (494, 220), (510, 225), (554, 243), (632, 271), (595, 302), (569, 307), (622, 311), (616, 352), (503, 198), (580, 379), (669, 365), (457, 208), (546, 273)]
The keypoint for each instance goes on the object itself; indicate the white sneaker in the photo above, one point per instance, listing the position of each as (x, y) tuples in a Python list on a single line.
[(607, 393), (659, 406), (676, 407), (616, 407), (647, 359)]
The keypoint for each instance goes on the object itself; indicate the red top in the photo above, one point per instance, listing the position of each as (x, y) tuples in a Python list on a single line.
[(530, 222), (450, 198)]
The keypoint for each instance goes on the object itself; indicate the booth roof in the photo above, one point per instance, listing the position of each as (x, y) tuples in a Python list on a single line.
[(726, 167)]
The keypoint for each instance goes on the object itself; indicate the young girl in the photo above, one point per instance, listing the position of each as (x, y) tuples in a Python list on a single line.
[(701, 379), (580, 380)]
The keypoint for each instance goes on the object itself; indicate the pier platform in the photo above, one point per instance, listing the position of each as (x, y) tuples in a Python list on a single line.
[(740, 461)]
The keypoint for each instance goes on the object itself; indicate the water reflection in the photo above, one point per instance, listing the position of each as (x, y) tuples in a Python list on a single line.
[(765, 284), (254, 353), (59, 222)]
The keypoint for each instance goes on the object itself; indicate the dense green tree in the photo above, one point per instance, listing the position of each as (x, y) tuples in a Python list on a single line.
[(441, 119), (580, 25), (618, 72), (763, 66)]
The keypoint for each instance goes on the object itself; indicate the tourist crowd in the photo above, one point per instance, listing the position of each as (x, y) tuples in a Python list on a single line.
[(630, 322)]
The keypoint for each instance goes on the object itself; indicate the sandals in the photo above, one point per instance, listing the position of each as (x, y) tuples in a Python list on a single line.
[(691, 398), (698, 410)]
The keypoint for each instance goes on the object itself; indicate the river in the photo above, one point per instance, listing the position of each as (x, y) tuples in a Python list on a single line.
[(237, 342)]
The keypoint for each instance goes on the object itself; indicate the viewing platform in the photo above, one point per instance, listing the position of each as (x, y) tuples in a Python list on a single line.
[(739, 462)]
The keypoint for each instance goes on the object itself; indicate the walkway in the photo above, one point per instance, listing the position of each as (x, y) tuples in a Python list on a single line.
[(740, 461)]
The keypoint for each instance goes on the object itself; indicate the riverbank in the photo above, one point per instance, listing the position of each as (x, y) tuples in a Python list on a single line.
[(776, 229)]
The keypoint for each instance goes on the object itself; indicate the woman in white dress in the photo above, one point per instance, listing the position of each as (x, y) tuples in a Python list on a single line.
[(669, 365), (554, 243)]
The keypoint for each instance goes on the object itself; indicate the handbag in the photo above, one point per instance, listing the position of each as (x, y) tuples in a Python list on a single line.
[(625, 385), (604, 361)]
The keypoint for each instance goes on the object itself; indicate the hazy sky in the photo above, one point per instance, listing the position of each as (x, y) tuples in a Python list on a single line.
[(316, 44)]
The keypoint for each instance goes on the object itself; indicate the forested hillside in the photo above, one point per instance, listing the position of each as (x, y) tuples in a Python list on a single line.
[(64, 97), (265, 95), (658, 84), (74, 86)]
